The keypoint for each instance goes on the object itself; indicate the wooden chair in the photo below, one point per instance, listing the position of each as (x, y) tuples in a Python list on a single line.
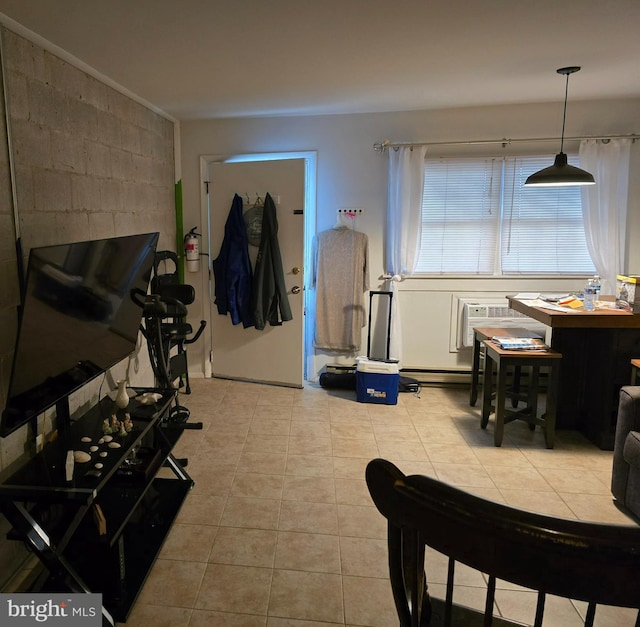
[(590, 562)]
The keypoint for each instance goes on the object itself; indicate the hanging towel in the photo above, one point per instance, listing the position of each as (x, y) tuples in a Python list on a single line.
[(341, 278), (270, 302), (232, 269)]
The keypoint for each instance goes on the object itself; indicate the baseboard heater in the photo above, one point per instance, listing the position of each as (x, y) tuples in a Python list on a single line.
[(433, 375), (422, 375)]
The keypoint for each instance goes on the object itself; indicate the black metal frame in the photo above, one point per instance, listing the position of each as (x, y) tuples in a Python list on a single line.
[(389, 295)]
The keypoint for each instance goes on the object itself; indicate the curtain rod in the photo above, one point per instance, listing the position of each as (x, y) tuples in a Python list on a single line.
[(381, 146)]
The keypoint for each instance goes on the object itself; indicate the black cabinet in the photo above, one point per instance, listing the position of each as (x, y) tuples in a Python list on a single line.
[(595, 365), (101, 531)]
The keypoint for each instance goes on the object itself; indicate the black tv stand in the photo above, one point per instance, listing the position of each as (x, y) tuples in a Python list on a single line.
[(57, 518)]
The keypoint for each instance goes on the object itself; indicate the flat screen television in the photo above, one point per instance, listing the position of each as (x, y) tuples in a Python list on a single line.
[(79, 317)]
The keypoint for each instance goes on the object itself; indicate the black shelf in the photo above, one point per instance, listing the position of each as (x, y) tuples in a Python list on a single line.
[(142, 540), (119, 500), (43, 477), (54, 517)]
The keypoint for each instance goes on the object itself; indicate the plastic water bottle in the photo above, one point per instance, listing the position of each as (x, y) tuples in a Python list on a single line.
[(596, 285), (589, 296)]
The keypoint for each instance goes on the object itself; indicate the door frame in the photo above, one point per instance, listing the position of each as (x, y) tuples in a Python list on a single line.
[(310, 158)]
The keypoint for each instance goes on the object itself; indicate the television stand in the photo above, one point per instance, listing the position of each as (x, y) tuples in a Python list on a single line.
[(102, 531)]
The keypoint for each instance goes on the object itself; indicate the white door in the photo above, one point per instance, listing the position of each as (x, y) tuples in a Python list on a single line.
[(275, 354)]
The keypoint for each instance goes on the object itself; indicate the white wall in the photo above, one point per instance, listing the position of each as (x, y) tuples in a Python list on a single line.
[(352, 174)]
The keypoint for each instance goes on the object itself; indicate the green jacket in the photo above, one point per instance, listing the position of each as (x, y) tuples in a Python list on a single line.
[(269, 299)]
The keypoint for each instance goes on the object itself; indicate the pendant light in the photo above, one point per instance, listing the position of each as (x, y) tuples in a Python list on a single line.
[(561, 173)]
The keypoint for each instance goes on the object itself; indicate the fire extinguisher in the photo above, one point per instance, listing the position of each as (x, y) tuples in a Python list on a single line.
[(192, 250)]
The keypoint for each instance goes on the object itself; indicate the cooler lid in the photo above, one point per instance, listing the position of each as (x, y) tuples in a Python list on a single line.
[(373, 365)]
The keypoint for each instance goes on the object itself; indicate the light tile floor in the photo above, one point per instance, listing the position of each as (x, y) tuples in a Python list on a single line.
[(279, 530)]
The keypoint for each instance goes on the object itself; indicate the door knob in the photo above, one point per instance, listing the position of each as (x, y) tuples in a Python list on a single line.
[(295, 289), (295, 270)]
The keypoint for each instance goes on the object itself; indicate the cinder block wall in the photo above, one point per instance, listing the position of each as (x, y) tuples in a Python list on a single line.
[(88, 163)]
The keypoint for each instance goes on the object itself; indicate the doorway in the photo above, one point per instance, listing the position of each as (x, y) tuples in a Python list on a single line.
[(280, 355)]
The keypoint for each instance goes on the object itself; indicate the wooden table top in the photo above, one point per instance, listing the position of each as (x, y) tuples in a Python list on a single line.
[(579, 319), (486, 333)]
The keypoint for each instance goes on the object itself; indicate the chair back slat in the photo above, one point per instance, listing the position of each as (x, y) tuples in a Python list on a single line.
[(451, 573), (489, 601), (542, 597)]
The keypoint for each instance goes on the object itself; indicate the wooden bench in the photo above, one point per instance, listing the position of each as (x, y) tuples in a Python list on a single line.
[(486, 333), (503, 359)]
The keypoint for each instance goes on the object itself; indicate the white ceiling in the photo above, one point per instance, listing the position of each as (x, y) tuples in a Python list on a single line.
[(220, 58)]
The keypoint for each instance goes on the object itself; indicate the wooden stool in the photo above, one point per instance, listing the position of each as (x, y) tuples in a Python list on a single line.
[(486, 333), (534, 359), (635, 367)]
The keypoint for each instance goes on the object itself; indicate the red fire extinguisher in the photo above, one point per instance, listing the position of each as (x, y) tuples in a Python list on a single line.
[(192, 250)]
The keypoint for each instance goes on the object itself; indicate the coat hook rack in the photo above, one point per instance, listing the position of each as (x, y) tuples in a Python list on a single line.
[(350, 212), (259, 200)]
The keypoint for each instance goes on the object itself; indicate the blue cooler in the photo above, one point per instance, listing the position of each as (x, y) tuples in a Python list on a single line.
[(377, 382)]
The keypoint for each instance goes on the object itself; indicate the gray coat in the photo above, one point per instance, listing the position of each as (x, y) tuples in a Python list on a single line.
[(269, 299)]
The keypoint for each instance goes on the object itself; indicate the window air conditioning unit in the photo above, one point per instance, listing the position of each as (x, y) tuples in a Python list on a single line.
[(495, 315)]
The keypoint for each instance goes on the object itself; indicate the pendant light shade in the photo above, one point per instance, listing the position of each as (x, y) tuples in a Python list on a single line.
[(561, 173)]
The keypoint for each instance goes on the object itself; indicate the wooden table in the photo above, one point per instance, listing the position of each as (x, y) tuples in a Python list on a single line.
[(597, 347)]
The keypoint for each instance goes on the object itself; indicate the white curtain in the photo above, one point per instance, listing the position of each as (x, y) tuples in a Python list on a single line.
[(604, 205), (406, 179)]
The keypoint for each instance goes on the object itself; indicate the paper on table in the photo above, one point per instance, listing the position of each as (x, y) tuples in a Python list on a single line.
[(545, 305), (527, 295), (556, 298)]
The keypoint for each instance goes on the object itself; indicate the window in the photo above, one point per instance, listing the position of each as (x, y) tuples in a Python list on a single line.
[(478, 218)]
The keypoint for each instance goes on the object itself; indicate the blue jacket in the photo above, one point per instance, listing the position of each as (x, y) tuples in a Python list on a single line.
[(232, 269)]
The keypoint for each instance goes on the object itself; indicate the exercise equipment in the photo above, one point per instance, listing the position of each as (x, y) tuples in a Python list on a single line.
[(168, 333)]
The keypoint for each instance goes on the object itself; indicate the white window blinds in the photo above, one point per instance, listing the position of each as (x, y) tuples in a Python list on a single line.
[(477, 218), (542, 228)]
